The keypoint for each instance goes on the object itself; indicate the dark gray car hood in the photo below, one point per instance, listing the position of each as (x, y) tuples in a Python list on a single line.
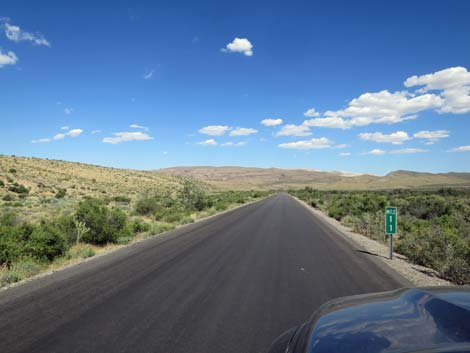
[(406, 320)]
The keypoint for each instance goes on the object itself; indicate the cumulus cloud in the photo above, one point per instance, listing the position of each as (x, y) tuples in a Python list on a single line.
[(59, 137), (376, 152), (74, 132), (460, 149), (137, 126), (68, 111), (8, 58), (454, 84), (214, 130), (396, 138), (16, 34), (318, 143), (374, 108), (431, 136), (294, 130), (408, 151), (243, 131), (271, 122), (341, 145), (239, 45), (209, 142), (127, 136), (65, 128), (311, 113), (234, 144)]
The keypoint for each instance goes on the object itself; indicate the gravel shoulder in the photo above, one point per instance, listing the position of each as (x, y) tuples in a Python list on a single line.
[(418, 276)]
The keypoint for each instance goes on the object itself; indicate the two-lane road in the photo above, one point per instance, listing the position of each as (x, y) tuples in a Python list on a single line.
[(231, 283)]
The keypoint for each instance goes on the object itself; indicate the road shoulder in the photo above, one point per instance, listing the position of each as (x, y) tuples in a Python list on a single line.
[(413, 275)]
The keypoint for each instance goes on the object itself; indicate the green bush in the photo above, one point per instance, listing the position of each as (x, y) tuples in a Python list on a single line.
[(60, 194), (2, 183), (46, 242), (106, 225), (19, 189), (122, 199), (8, 198), (140, 226), (12, 170), (81, 251), (21, 269), (148, 206)]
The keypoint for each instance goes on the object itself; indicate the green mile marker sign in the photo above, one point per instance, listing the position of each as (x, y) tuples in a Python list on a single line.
[(391, 220)]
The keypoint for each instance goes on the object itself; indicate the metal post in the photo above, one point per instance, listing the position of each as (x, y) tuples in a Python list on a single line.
[(391, 246)]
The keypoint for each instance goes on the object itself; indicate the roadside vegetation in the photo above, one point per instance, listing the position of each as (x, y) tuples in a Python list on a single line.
[(45, 226), (433, 226)]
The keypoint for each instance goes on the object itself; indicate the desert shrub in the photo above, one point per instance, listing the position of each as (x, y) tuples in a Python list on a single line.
[(19, 189), (21, 269), (60, 194), (148, 206), (123, 199), (192, 197), (106, 225), (12, 170), (8, 198), (124, 240), (46, 242), (80, 251), (139, 226), (2, 183)]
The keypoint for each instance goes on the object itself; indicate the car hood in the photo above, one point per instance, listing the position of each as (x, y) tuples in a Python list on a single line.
[(405, 320)]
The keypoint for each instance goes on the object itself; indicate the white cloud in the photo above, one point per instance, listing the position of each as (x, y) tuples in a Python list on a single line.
[(460, 149), (454, 82), (239, 45), (209, 142), (43, 140), (271, 122), (375, 152), (396, 138), (68, 111), (294, 130), (344, 154), (59, 137), (126, 136), (243, 131), (75, 132), (408, 151), (65, 128), (318, 143), (8, 58), (312, 113), (431, 136), (214, 130), (137, 126), (331, 122), (234, 144), (16, 34), (342, 145), (148, 74), (378, 108), (93, 132)]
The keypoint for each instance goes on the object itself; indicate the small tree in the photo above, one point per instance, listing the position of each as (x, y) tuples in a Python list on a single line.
[(81, 229)]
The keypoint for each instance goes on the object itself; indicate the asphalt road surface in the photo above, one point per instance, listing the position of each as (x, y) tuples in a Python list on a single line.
[(231, 283)]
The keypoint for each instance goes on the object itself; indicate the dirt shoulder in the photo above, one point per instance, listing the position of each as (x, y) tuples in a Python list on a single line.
[(418, 276)]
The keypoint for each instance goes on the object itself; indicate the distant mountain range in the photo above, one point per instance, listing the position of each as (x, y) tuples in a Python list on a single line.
[(277, 178)]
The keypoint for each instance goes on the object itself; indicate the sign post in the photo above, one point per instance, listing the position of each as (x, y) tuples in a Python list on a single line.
[(391, 225)]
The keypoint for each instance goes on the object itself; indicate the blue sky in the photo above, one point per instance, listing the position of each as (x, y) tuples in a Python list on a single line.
[(358, 86)]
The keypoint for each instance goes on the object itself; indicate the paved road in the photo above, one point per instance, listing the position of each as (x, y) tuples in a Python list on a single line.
[(229, 284)]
